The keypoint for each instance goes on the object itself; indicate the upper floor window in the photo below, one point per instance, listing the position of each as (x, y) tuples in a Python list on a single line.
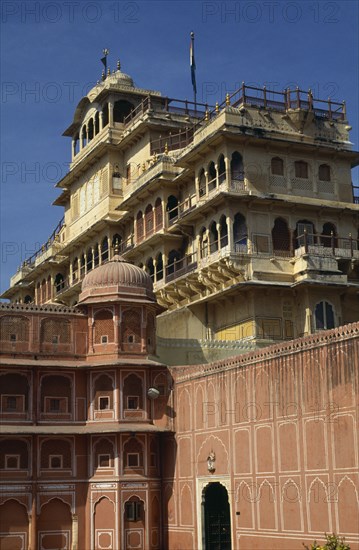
[(12, 462), (277, 167), (134, 510), (324, 172), (324, 316), (301, 169)]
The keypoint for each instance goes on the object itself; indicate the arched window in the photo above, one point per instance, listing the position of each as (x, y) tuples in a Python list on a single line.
[(324, 172), (304, 233), (103, 393), (14, 454), (103, 327), (97, 123), (223, 238), (76, 144), (277, 166), (172, 263), (75, 270), (159, 267), (56, 395), (96, 257), (103, 454), (28, 299), (90, 130), (324, 316), (280, 237), (131, 328), (202, 183), (328, 236), (149, 220), (83, 136), (56, 454), (121, 109), (134, 512), (237, 171), (158, 213), (59, 282), (104, 250), (221, 169), (14, 394), (213, 237), (150, 268), (133, 392), (139, 226), (83, 265), (89, 260), (240, 233), (172, 208), (133, 454), (301, 169), (212, 176), (105, 115)]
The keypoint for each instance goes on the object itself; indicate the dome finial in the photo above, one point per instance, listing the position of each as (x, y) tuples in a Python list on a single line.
[(118, 65), (116, 247)]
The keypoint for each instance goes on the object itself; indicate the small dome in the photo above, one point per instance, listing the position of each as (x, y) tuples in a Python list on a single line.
[(117, 272)]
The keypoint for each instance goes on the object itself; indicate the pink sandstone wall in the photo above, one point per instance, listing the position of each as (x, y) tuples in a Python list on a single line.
[(283, 426)]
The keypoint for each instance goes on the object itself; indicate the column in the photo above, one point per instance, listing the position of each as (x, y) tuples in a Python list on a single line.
[(115, 320), (197, 187), (110, 112), (143, 332), (75, 532), (93, 258), (73, 149), (230, 233), (164, 214), (217, 174), (52, 287), (218, 227), (227, 163), (101, 120), (99, 253), (164, 261), (79, 268), (71, 274), (85, 258), (154, 271), (90, 330), (206, 177)]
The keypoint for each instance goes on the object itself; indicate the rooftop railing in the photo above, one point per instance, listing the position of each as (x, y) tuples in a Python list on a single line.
[(261, 98), (30, 262), (168, 105)]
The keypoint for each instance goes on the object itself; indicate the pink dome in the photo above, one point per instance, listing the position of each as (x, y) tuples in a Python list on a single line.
[(117, 272)]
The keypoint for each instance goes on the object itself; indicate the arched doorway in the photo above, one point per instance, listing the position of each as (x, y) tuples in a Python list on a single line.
[(216, 518)]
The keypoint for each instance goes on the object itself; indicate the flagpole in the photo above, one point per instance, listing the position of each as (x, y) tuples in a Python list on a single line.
[(193, 70)]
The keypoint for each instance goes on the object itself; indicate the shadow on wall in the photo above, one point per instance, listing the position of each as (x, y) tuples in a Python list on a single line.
[(183, 351)]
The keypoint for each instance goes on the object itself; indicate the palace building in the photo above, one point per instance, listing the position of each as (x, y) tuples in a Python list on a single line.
[(243, 214), (179, 361)]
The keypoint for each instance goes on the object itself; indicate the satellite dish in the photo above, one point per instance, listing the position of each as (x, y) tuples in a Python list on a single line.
[(153, 393)]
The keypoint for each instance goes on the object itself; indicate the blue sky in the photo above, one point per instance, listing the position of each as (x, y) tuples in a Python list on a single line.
[(50, 57)]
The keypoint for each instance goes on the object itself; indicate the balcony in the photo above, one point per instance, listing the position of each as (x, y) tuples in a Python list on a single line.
[(218, 264), (161, 169)]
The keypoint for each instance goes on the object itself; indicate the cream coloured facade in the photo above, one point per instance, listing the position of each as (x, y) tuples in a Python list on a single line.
[(243, 214)]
